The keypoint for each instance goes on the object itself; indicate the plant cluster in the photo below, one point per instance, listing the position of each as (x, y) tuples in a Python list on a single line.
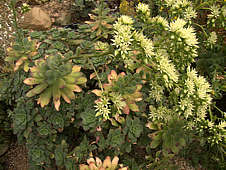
[(137, 92)]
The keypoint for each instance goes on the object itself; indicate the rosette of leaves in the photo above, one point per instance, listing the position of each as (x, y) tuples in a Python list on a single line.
[(101, 22), (171, 136), (107, 164), (21, 52), (128, 98), (54, 78)]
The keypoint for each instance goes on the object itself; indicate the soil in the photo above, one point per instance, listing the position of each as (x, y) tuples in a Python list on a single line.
[(16, 158)]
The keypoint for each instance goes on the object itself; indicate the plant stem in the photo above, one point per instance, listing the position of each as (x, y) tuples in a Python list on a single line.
[(87, 56), (219, 110), (101, 86), (12, 5), (202, 29)]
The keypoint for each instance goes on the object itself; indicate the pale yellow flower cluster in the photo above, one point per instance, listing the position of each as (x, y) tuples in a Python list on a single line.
[(159, 113), (187, 107), (123, 34), (166, 66), (190, 13), (145, 43), (196, 86), (124, 19), (101, 46), (161, 20), (117, 99), (176, 4), (144, 9), (215, 12), (156, 92), (201, 85), (188, 34), (102, 108), (212, 38)]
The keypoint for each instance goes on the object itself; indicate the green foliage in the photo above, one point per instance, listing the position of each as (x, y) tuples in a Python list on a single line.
[(142, 95), (127, 8), (100, 24), (21, 52), (81, 8), (133, 128), (54, 78)]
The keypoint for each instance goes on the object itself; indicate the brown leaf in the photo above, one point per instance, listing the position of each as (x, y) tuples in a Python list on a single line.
[(97, 92), (126, 109), (92, 76)]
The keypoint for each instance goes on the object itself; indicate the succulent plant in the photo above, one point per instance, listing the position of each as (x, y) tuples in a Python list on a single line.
[(21, 53), (99, 165), (129, 98), (100, 23), (54, 78)]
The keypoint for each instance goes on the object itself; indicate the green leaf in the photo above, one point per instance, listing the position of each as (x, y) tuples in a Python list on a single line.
[(27, 132), (89, 119), (115, 138), (38, 89), (35, 34), (57, 120), (134, 107), (81, 80), (45, 97), (182, 141), (59, 156), (58, 45), (135, 128), (38, 118), (155, 144), (44, 130), (175, 149)]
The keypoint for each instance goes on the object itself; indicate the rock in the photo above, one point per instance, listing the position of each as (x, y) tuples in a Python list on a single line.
[(36, 19), (63, 19)]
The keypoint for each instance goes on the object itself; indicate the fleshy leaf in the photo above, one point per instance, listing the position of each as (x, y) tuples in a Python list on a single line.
[(65, 97), (32, 81), (97, 92), (126, 109), (76, 68), (92, 76), (68, 92), (56, 98), (81, 80), (77, 88), (45, 97), (37, 90), (134, 107), (155, 143), (107, 162)]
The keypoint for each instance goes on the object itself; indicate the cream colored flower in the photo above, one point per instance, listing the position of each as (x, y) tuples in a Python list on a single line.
[(126, 20), (212, 38), (145, 43), (190, 13), (161, 20), (144, 8), (177, 25), (215, 12)]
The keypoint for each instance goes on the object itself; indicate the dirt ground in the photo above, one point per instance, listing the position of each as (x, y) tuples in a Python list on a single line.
[(16, 158)]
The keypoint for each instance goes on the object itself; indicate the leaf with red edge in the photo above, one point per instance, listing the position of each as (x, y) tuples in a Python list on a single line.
[(92, 76), (76, 68), (112, 76), (126, 109), (97, 92)]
